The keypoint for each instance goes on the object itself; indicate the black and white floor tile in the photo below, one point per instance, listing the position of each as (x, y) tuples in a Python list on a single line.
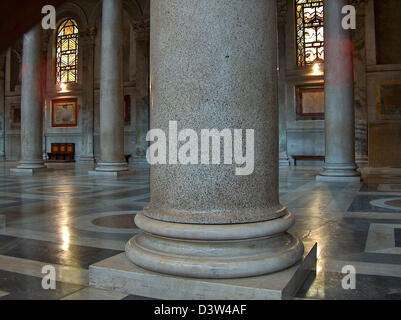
[(70, 220)]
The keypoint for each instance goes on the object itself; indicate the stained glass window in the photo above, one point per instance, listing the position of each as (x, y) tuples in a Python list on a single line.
[(310, 31), (67, 52)]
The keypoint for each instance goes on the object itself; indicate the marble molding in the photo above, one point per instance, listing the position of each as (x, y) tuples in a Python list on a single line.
[(31, 107), (203, 221)]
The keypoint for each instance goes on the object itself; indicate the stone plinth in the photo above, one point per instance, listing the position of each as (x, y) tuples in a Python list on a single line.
[(120, 274)]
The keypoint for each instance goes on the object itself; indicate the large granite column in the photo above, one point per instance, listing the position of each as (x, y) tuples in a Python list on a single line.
[(31, 106), (214, 65), (339, 98), (112, 160)]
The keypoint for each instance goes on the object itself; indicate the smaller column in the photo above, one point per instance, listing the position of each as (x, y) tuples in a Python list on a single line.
[(87, 42), (112, 161), (142, 38), (31, 107), (339, 99), (282, 91)]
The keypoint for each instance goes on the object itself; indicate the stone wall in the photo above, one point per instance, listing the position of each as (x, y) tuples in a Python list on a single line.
[(87, 13), (382, 125)]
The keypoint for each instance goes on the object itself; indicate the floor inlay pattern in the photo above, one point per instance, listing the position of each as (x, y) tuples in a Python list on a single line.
[(69, 220)]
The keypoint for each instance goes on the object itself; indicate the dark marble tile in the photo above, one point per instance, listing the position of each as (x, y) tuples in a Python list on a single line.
[(53, 253), (23, 287), (15, 202), (397, 237), (382, 258), (328, 286), (361, 203)]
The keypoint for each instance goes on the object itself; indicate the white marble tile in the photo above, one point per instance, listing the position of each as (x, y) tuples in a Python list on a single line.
[(381, 239)]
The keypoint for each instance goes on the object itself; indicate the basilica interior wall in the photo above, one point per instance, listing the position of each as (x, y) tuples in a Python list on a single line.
[(305, 136), (85, 134), (383, 82), (377, 77), (376, 63)]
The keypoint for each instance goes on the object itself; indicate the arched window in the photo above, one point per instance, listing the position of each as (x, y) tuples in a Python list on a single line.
[(310, 31), (67, 52)]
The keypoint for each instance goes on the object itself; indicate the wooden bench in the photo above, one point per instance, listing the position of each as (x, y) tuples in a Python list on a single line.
[(62, 152), (305, 157)]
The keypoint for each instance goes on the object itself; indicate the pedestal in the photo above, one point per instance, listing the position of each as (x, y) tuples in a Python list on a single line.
[(120, 274)]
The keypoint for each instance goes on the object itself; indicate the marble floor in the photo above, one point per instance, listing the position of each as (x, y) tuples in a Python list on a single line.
[(69, 220)]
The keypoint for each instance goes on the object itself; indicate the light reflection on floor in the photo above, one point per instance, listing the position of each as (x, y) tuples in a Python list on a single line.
[(70, 220)]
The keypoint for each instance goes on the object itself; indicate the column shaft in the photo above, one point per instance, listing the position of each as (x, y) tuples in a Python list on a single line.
[(111, 90), (214, 66), (339, 98), (87, 110), (31, 103)]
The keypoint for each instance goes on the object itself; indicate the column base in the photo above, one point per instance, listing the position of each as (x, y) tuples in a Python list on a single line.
[(321, 178), (116, 174), (120, 274), (140, 163), (214, 251), (86, 159), (339, 173), (2, 221), (285, 162), (29, 171), (362, 161), (111, 169)]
